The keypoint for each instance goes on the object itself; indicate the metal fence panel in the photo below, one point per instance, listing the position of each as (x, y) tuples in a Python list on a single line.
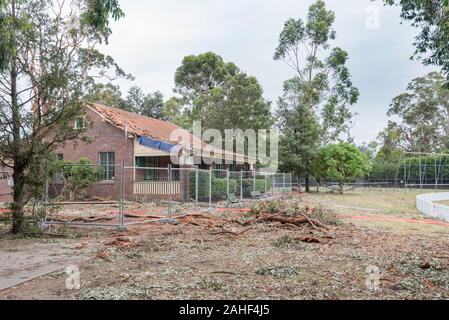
[(83, 194), (137, 194)]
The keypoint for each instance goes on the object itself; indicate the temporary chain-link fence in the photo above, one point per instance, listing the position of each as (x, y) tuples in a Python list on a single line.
[(119, 196), (82, 194)]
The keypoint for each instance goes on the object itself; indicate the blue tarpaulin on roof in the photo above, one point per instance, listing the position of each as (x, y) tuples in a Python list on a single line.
[(157, 144)]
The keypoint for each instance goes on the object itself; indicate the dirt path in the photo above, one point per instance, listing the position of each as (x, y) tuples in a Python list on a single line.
[(23, 260)]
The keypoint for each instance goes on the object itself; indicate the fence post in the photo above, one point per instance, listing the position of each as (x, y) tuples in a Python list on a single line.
[(122, 197), (196, 185), (265, 182), (254, 179), (290, 178), (283, 182), (169, 189), (227, 182), (273, 183), (241, 185), (210, 186)]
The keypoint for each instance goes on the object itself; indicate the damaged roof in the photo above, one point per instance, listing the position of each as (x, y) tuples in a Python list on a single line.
[(140, 125)]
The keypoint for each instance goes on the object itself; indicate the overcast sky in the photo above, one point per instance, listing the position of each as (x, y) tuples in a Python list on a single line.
[(155, 35)]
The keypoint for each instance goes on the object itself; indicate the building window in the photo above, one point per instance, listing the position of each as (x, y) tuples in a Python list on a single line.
[(175, 172), (79, 122), (107, 162), (148, 162), (60, 156)]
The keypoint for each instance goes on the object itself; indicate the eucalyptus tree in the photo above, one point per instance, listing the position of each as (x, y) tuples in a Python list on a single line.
[(423, 117), (322, 82), (220, 94), (48, 58), (322, 78), (432, 17)]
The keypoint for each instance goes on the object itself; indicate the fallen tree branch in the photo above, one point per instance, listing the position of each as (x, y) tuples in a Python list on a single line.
[(308, 219), (133, 215), (95, 219), (308, 239), (223, 271), (279, 218), (225, 231)]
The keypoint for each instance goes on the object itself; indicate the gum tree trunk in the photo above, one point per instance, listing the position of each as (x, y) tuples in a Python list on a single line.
[(307, 183), (18, 167), (18, 201)]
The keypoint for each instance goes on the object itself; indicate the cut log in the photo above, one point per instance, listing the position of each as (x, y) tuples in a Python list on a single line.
[(279, 218), (97, 219), (78, 219), (133, 215), (308, 239), (225, 231), (66, 203)]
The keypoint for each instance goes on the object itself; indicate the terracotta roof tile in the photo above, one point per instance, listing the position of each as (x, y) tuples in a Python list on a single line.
[(137, 124), (145, 126)]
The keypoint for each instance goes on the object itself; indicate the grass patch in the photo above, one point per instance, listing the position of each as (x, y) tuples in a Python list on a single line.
[(212, 284), (278, 272), (284, 242)]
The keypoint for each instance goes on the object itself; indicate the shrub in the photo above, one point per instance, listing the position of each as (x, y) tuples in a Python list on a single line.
[(248, 185), (219, 187), (77, 177)]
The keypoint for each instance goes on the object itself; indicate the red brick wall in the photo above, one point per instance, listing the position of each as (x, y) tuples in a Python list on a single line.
[(105, 138), (5, 189)]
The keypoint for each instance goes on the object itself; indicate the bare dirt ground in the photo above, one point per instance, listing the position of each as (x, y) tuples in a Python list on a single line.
[(378, 247)]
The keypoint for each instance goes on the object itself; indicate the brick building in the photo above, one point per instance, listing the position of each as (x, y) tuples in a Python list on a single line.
[(138, 141), (5, 184)]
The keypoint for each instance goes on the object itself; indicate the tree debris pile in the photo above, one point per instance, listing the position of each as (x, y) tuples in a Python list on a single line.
[(313, 220), (418, 273)]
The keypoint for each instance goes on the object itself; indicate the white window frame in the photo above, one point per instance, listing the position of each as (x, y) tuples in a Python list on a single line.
[(83, 123), (107, 165)]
